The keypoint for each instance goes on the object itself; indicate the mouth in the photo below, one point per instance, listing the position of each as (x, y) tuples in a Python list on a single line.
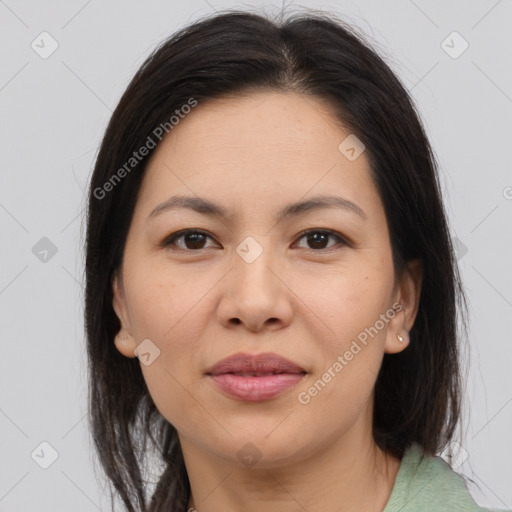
[(249, 365), (255, 388), (255, 378), (257, 374)]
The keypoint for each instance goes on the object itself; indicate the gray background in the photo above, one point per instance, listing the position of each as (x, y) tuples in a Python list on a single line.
[(54, 111)]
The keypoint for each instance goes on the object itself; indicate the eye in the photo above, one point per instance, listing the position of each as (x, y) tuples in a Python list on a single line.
[(193, 239), (318, 238)]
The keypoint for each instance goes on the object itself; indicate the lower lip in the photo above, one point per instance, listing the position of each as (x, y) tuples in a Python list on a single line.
[(256, 389)]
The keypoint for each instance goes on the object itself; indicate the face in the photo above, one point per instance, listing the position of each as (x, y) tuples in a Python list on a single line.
[(315, 286)]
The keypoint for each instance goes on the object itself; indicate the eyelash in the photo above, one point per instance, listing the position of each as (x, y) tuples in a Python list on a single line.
[(168, 241)]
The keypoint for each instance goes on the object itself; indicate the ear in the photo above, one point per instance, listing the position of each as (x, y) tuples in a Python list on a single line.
[(124, 340), (406, 299)]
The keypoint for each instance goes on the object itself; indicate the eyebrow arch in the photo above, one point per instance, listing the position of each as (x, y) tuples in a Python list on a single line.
[(212, 209)]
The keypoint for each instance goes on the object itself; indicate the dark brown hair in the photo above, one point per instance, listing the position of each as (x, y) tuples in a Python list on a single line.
[(418, 391)]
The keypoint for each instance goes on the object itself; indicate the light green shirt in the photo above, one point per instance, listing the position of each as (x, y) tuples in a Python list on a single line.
[(429, 485)]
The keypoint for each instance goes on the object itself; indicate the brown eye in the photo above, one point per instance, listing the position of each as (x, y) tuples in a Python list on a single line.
[(192, 239), (318, 239)]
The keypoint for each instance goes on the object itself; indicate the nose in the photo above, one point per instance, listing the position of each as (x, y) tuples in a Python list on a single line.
[(255, 295)]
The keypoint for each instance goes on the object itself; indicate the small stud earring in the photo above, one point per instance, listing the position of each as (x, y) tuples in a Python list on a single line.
[(401, 338)]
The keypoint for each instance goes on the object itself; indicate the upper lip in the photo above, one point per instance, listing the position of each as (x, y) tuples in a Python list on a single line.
[(260, 363)]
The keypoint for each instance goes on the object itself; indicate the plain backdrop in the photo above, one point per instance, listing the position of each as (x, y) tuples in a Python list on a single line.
[(54, 109)]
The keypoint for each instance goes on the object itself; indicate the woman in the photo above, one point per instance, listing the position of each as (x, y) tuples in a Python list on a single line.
[(271, 289)]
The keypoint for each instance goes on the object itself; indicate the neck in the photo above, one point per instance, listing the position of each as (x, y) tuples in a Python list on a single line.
[(349, 474)]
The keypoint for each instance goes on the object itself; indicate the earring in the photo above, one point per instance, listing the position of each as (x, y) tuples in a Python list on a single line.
[(401, 338)]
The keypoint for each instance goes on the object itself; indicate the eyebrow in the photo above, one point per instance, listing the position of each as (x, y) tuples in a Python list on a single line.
[(206, 207)]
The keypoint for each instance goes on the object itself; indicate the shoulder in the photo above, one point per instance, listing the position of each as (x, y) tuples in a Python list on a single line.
[(426, 483)]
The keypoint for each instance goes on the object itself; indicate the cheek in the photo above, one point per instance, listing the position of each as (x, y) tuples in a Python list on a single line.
[(348, 302), (175, 395), (344, 376), (174, 321), (165, 304), (350, 338), (172, 378), (168, 310)]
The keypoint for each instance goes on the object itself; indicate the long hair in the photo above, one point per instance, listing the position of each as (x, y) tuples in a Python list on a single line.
[(418, 391)]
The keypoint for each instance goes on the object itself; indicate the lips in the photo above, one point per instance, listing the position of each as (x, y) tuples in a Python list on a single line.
[(247, 365), (249, 378)]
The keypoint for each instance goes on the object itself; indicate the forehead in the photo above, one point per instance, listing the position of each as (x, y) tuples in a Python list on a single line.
[(264, 147), (284, 122)]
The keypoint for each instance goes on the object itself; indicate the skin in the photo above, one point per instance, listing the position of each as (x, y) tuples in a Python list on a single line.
[(303, 300)]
